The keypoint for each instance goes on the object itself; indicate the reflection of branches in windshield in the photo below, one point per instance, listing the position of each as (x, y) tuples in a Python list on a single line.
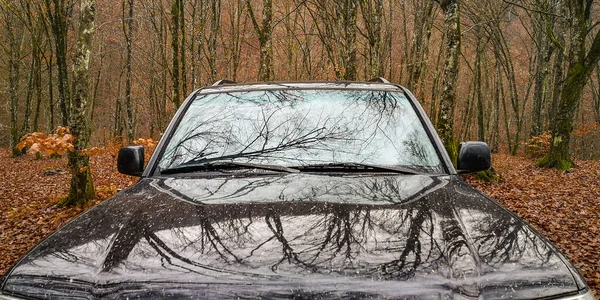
[(296, 126), (269, 135), (380, 107), (290, 137), (416, 148), (183, 148)]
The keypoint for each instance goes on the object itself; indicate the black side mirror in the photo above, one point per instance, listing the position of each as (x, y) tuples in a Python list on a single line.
[(131, 160), (473, 157)]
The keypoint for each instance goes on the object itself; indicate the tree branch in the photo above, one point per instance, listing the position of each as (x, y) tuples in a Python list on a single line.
[(531, 9), (253, 19)]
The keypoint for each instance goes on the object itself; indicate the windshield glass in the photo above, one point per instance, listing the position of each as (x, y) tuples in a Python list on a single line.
[(302, 127)]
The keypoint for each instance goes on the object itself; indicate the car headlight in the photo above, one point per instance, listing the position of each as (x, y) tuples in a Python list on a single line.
[(587, 296)]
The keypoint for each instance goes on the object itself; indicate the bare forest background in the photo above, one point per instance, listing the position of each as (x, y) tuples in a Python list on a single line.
[(148, 55)]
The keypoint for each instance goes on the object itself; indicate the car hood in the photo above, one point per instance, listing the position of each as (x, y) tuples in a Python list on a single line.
[(295, 236)]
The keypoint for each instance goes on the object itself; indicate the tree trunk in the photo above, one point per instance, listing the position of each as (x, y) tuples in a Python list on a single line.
[(29, 97), (37, 86), (419, 51), (15, 36), (542, 73), (350, 12), (37, 55), (481, 133), (596, 96), (50, 63), (215, 27), (236, 27), (182, 48), (265, 39), (445, 119), (82, 186), (175, 11), (128, 31), (57, 13)]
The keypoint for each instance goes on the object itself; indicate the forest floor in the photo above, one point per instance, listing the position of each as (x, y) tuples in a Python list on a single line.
[(564, 206)]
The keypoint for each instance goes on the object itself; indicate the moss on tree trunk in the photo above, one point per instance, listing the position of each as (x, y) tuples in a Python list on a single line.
[(82, 185), (489, 175)]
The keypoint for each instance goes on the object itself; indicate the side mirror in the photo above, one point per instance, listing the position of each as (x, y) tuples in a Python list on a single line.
[(131, 160), (473, 157)]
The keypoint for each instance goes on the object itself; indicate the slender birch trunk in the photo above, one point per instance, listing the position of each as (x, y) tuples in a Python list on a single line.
[(82, 186), (445, 117)]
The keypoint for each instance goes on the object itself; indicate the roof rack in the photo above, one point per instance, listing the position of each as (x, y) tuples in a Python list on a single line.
[(379, 79), (224, 82)]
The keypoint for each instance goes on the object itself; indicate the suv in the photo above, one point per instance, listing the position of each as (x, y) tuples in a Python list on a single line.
[(321, 190)]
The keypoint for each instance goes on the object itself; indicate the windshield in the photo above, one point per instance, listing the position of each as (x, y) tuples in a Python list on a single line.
[(301, 128)]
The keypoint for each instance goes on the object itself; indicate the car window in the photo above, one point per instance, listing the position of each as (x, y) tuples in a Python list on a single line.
[(302, 127)]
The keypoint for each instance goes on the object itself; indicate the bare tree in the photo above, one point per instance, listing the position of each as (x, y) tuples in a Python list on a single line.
[(176, 12), (82, 186)]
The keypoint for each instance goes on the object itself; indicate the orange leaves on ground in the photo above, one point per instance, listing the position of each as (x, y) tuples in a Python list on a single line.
[(57, 143)]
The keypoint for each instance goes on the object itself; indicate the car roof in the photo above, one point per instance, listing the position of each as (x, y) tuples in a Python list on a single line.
[(322, 85)]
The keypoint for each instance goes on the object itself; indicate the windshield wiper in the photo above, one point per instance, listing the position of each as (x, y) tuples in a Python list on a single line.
[(225, 165), (354, 167)]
